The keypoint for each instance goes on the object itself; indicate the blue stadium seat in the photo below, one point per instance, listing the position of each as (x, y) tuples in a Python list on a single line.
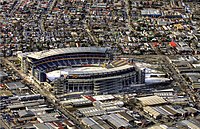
[(72, 62), (89, 61), (84, 60), (56, 63), (69, 62), (64, 63), (77, 62), (45, 66), (60, 63), (40, 68), (50, 63), (95, 61)]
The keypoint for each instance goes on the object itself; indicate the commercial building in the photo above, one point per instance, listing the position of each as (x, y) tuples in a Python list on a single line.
[(151, 12)]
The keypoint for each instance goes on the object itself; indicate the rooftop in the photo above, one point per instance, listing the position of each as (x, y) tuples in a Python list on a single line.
[(5, 93), (52, 52), (25, 113), (151, 100), (84, 71), (48, 117), (42, 126), (14, 85), (3, 74), (150, 12)]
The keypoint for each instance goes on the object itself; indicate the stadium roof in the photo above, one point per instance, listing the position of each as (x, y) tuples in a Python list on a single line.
[(51, 52), (84, 71)]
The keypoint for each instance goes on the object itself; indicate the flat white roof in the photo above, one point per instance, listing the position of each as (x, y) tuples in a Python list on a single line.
[(103, 97), (79, 100)]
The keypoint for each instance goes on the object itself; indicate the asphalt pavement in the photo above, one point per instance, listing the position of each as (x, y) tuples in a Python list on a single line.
[(3, 125)]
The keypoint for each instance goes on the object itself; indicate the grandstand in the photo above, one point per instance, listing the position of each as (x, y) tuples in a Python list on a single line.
[(81, 69), (117, 63), (53, 59)]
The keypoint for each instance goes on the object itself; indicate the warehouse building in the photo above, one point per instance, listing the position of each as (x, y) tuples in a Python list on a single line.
[(151, 100)]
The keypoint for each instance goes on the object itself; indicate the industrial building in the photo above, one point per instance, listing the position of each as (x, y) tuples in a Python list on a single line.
[(151, 100)]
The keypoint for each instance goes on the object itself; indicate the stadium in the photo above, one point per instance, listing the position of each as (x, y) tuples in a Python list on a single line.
[(81, 69)]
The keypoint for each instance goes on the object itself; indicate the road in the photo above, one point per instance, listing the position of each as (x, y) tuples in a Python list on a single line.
[(41, 22), (127, 6), (50, 98), (182, 83), (51, 4), (16, 7), (3, 125), (94, 39)]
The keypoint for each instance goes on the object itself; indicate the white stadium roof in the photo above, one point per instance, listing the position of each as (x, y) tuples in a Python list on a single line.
[(51, 52), (84, 71)]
